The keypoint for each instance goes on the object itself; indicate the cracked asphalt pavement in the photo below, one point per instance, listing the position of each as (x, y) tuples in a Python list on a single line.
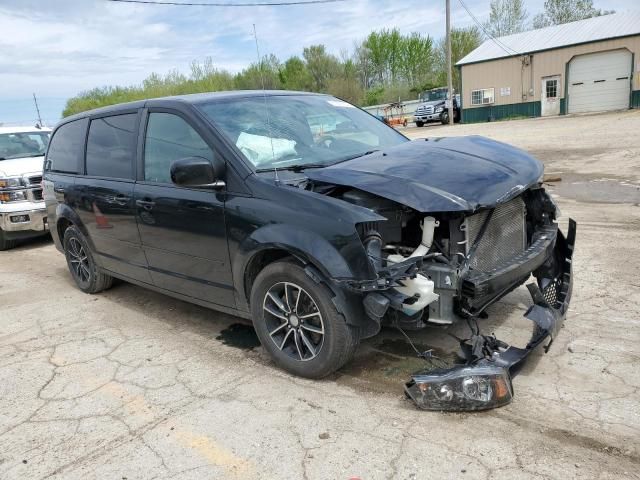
[(130, 384)]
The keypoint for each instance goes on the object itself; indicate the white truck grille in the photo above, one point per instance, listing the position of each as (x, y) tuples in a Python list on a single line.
[(424, 110)]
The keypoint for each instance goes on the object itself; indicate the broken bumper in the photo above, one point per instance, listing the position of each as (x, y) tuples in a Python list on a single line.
[(484, 382)]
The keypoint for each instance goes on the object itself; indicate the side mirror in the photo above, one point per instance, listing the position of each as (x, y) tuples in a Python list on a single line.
[(197, 172)]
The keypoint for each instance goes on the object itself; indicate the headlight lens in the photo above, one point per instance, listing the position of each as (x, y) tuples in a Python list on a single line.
[(10, 182), (462, 388), (11, 191), (439, 109), (13, 196)]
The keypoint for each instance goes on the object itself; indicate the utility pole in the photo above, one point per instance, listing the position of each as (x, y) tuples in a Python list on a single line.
[(449, 75), (38, 109)]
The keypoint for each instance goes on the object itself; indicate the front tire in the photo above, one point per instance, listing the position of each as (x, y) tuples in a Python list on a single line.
[(81, 263), (297, 322), (419, 124), (5, 243)]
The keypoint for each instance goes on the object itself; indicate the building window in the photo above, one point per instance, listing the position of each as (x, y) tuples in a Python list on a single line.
[(482, 97), (552, 88)]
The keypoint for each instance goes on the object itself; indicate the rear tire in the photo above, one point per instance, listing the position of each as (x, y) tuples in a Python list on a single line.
[(81, 263), (5, 243), (289, 310)]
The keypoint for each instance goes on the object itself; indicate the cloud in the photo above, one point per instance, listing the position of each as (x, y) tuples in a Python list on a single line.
[(68, 46), (60, 48)]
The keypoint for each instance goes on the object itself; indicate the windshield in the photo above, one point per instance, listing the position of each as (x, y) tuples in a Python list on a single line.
[(299, 130), (433, 95), (23, 144)]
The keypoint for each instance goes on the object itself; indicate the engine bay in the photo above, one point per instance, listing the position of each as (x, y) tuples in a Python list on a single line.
[(447, 247)]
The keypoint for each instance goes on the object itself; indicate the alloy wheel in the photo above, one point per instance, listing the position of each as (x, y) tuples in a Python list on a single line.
[(293, 321), (79, 261)]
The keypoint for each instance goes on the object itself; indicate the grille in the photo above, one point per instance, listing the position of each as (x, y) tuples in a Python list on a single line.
[(37, 194), (34, 181), (551, 293), (504, 238), (425, 110)]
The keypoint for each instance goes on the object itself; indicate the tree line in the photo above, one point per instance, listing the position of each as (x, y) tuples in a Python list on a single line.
[(386, 66)]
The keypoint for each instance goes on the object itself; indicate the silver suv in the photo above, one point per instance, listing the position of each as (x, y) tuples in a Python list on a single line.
[(22, 209)]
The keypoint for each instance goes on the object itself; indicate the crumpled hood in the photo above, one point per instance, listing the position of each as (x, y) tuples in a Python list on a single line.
[(439, 175), (16, 167)]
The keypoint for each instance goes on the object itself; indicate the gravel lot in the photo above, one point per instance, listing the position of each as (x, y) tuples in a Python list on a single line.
[(131, 384)]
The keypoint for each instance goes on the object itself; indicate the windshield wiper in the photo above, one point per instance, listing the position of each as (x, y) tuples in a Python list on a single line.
[(301, 167), (293, 168), (352, 157)]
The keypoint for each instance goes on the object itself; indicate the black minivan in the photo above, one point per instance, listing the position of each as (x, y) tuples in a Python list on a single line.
[(304, 214)]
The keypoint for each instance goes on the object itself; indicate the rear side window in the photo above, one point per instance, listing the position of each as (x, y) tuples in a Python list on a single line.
[(66, 147), (170, 138), (111, 146)]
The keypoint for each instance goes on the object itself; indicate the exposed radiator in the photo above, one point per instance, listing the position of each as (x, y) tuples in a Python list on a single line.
[(504, 238)]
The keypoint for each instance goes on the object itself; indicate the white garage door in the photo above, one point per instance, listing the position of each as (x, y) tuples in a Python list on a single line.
[(599, 81)]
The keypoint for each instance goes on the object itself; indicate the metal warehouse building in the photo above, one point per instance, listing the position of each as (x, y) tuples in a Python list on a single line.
[(584, 66)]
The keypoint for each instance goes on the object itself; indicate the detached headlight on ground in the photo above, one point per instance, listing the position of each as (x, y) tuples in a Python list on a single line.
[(461, 389)]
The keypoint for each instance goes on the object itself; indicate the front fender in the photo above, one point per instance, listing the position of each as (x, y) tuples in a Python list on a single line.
[(304, 244), (325, 263)]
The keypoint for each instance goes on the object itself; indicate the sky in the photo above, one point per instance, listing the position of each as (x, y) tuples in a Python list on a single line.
[(58, 48)]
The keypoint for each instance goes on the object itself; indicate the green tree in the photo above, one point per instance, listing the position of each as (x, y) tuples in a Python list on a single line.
[(506, 17), (321, 65), (557, 12), (266, 75), (463, 41), (384, 50), (347, 84), (417, 60), (294, 75)]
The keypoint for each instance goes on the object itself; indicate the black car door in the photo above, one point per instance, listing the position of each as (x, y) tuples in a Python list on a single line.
[(182, 229), (104, 195)]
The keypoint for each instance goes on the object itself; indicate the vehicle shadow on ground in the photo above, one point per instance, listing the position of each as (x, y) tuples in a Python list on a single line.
[(382, 363), (32, 243)]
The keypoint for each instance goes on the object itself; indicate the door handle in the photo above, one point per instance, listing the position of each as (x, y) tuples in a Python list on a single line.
[(121, 199), (146, 204)]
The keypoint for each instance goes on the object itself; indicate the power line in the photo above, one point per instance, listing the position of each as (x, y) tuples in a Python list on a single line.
[(219, 4), (503, 46)]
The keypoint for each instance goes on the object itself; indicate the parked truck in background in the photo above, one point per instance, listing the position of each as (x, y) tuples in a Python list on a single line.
[(433, 108), (22, 209)]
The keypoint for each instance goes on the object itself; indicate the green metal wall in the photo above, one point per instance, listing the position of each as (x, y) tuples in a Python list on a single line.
[(528, 109), (498, 112)]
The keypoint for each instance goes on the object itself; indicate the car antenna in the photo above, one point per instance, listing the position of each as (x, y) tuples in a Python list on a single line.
[(266, 106), (35, 100)]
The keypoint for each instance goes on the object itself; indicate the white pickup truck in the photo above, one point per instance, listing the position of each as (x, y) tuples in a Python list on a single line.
[(22, 209)]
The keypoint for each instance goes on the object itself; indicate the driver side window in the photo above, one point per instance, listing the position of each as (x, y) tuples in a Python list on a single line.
[(169, 138)]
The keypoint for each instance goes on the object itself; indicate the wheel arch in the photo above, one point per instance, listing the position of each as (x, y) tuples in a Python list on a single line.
[(66, 217), (275, 241), (254, 256)]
